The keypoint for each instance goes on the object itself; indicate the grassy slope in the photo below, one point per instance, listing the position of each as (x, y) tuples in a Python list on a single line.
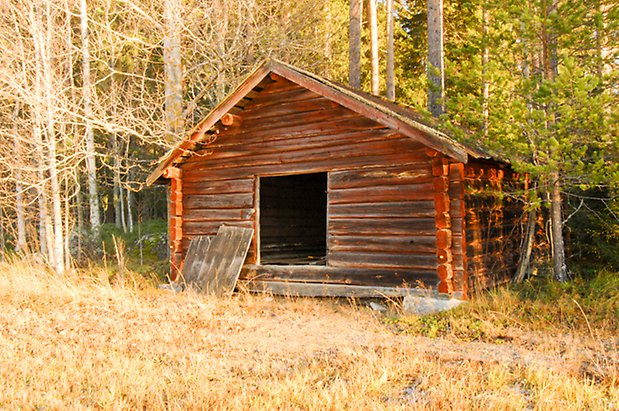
[(79, 342)]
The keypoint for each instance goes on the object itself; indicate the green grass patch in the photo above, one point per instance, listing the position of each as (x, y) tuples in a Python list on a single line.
[(584, 306)]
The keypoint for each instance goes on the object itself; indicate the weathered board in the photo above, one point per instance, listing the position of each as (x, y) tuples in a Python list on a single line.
[(194, 259), (223, 261), (297, 289)]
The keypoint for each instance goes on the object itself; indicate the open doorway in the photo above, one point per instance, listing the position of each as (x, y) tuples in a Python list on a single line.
[(293, 219)]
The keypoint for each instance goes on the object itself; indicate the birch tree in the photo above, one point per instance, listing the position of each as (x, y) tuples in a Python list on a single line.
[(435, 65), (390, 76), (91, 166), (373, 46), (354, 44)]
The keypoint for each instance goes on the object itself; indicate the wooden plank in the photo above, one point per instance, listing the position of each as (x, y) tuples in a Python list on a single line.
[(225, 201), (383, 260), (218, 214), (411, 192), (378, 226), (211, 227), (285, 107), (316, 134), (224, 260), (355, 159), (194, 258), (296, 115), (240, 185), (399, 175), (339, 275), (383, 243), (383, 143), (297, 289), (383, 209)]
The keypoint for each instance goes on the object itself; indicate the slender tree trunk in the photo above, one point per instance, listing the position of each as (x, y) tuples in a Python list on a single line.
[(436, 72), (44, 232), (129, 192), (80, 218), (51, 142), (222, 14), (558, 246), (123, 219), (130, 210), (328, 31), (485, 58), (67, 227), (551, 65), (374, 45), (45, 229), (527, 247), (354, 45), (116, 189), (91, 163), (390, 53), (173, 69), (21, 242)]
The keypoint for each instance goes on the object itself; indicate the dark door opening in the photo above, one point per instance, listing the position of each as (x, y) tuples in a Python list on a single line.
[(293, 219)]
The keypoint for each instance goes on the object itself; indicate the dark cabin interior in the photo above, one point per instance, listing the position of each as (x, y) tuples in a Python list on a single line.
[(293, 219)]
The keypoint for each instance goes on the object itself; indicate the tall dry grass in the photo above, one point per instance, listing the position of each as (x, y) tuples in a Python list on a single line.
[(85, 341)]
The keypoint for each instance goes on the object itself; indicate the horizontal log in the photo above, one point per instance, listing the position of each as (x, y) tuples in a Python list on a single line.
[(322, 274), (239, 200), (285, 109), (411, 192), (382, 260), (264, 100), (307, 112), (218, 214), (304, 124), (384, 244), (269, 139), (330, 290), (383, 142), (241, 185), (384, 209), (316, 166), (192, 228), (421, 173), (378, 226)]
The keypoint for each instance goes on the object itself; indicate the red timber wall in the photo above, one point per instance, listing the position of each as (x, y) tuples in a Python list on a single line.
[(381, 222), (493, 222)]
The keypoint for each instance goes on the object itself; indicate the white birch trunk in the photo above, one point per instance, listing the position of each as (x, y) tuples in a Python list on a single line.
[(91, 164), (374, 45), (173, 69), (116, 189), (390, 53), (45, 230), (21, 242), (51, 141)]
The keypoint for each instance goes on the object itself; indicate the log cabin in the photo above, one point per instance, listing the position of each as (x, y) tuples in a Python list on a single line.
[(343, 189)]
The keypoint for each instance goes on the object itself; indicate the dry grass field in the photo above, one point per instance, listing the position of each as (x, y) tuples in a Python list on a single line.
[(79, 342)]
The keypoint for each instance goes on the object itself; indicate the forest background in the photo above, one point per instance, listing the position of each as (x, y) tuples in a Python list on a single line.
[(93, 92)]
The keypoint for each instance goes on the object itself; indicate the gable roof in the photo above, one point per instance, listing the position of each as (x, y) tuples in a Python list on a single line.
[(403, 119)]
